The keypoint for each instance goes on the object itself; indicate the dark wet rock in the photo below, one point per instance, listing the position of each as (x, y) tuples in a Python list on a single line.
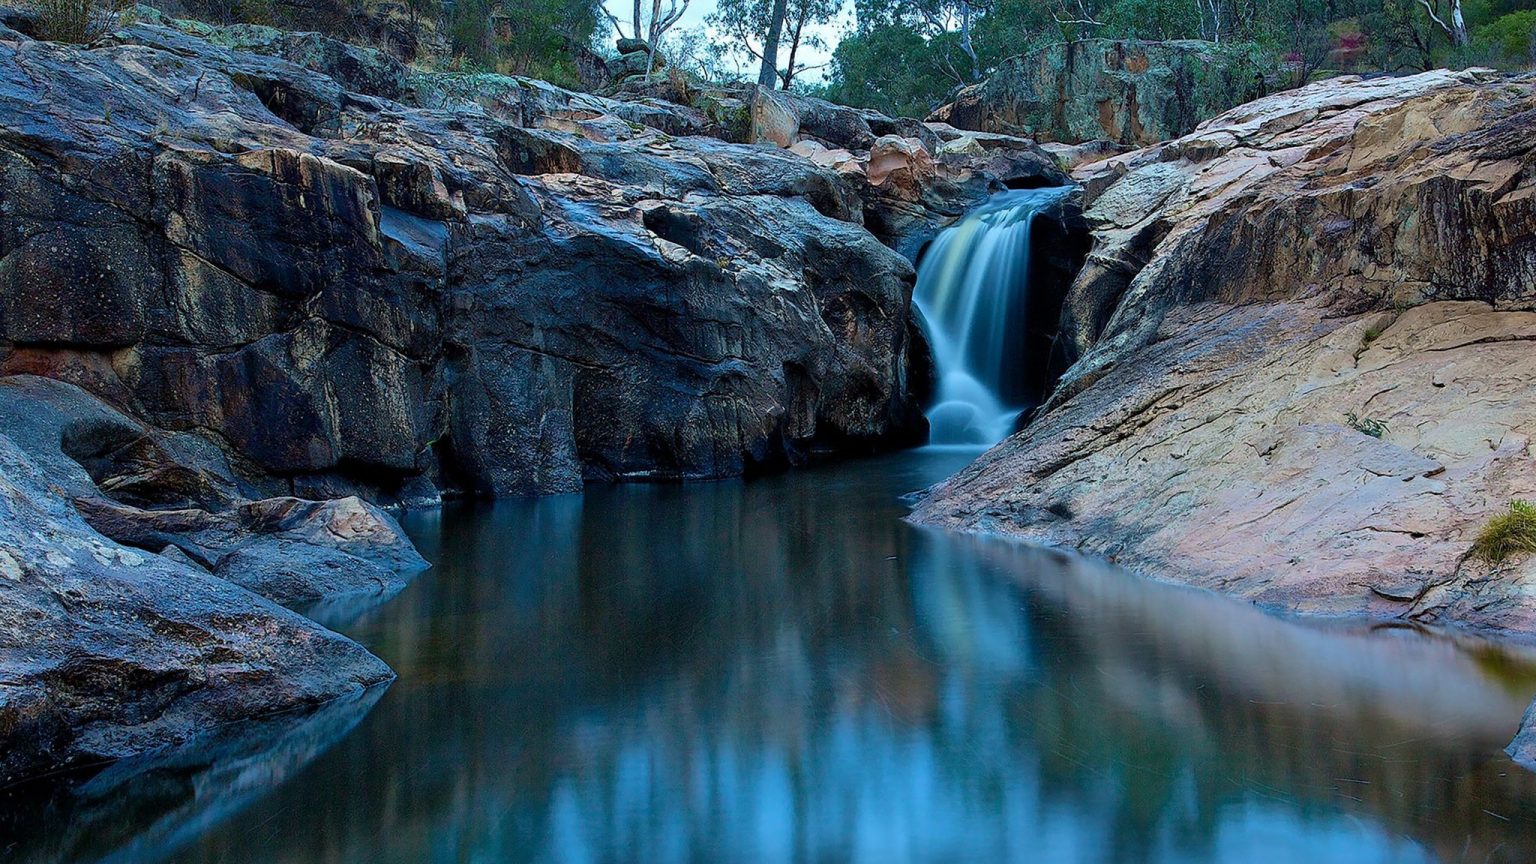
[(107, 651), (1127, 91), (153, 491), (506, 291)]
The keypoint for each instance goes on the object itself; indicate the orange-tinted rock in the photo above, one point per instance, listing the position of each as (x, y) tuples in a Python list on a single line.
[(1353, 249)]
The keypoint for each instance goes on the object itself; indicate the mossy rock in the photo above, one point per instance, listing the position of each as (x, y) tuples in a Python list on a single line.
[(1129, 91)]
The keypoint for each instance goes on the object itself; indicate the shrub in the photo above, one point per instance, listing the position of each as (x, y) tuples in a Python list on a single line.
[(1508, 534), (1511, 38), (77, 21), (1365, 425)]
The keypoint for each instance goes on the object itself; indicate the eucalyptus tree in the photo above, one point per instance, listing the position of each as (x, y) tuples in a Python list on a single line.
[(946, 26), (1449, 18), (664, 15), (760, 30)]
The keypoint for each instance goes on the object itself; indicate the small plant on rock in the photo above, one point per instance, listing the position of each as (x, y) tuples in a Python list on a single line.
[(1507, 534), (78, 21), (1365, 425)]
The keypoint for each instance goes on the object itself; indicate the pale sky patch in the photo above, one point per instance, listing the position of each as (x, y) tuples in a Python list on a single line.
[(698, 10)]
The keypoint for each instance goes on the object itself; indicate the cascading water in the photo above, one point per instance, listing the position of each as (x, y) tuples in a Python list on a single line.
[(973, 287)]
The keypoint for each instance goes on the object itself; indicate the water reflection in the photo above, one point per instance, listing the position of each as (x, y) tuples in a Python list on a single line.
[(783, 671), (146, 807)]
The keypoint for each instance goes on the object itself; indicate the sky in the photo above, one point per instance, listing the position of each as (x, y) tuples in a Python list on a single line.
[(694, 17)]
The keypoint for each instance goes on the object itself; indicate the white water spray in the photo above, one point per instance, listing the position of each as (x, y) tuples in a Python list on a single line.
[(972, 287)]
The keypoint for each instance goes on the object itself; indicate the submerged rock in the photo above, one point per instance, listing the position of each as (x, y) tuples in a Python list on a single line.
[(1305, 331), (222, 771)]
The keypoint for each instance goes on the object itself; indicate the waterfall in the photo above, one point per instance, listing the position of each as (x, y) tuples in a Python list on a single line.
[(973, 288)]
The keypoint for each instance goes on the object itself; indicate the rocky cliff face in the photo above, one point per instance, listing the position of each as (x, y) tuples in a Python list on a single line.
[(248, 276), (512, 291), (1261, 295), (1127, 91)]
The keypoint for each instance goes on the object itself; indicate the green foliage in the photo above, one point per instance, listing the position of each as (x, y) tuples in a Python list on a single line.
[(1509, 39), (1013, 27), (539, 36), (908, 54), (522, 37), (469, 31), (1366, 426), (889, 68), (1153, 19), (1508, 534), (697, 52)]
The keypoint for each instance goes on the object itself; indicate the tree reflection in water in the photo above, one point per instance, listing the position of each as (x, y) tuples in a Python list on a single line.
[(781, 670)]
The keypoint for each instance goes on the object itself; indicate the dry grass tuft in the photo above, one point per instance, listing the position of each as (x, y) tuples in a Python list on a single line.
[(1508, 534)]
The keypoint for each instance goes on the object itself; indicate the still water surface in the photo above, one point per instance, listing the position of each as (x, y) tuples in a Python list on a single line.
[(782, 671)]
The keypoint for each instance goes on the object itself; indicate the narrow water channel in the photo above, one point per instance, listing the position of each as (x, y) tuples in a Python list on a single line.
[(782, 670)]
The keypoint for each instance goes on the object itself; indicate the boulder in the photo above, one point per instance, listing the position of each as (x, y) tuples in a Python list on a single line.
[(157, 491), (108, 651), (1128, 91), (635, 63), (902, 165), (1303, 333)]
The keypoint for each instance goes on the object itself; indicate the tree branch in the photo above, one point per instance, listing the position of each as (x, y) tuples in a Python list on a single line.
[(1436, 18)]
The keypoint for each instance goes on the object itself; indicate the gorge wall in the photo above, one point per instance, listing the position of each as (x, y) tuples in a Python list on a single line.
[(1127, 91), (348, 293), (253, 283)]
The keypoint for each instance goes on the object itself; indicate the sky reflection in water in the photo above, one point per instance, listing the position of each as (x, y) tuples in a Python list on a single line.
[(781, 670)]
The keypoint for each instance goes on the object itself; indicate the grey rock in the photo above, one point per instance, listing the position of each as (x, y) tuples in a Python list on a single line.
[(1128, 91), (108, 651)]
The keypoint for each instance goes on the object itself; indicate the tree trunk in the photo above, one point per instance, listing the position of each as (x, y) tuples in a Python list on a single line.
[(639, 33), (965, 39), (794, 48), (1458, 25), (770, 70), (655, 36), (1456, 28)]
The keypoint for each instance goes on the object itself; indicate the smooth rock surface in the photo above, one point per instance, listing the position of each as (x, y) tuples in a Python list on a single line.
[(1362, 248)]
